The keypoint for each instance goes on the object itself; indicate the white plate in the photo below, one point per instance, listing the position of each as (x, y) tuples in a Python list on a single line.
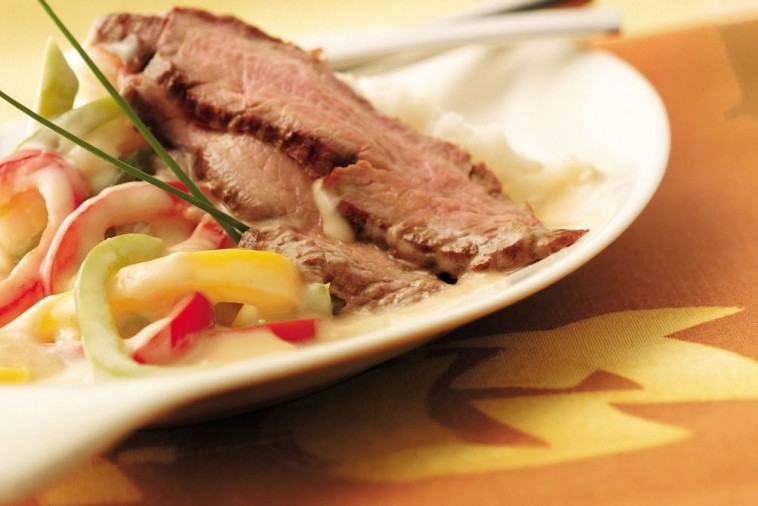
[(553, 100)]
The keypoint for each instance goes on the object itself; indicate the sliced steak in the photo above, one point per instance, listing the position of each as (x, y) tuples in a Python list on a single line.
[(232, 77), (262, 117), (242, 172), (254, 180), (360, 275), (441, 222)]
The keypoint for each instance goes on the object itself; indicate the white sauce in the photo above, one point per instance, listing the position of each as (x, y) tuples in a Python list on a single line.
[(333, 223), (125, 49), (235, 347)]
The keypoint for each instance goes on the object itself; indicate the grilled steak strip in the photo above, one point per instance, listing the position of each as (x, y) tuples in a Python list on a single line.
[(441, 222), (360, 275)]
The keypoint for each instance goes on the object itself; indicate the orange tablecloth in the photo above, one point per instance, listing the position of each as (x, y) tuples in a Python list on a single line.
[(644, 362)]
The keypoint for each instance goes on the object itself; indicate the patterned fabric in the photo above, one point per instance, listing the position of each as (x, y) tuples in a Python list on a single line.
[(633, 381)]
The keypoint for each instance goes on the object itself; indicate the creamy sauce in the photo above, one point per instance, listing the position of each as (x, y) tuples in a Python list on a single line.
[(234, 347), (333, 223), (216, 350), (125, 49)]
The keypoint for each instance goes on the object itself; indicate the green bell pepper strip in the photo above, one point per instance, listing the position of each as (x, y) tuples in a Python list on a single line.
[(102, 342), (58, 86), (79, 122)]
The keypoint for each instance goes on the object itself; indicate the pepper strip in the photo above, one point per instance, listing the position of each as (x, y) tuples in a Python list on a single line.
[(102, 342), (263, 279), (127, 272), (172, 336), (119, 205), (62, 190)]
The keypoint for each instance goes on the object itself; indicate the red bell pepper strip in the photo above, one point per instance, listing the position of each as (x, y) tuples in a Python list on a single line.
[(172, 336), (116, 206), (63, 190), (293, 331)]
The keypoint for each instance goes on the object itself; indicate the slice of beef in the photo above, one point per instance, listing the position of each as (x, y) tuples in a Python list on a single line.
[(439, 221), (254, 180), (361, 275), (259, 184), (214, 85), (230, 76), (242, 172)]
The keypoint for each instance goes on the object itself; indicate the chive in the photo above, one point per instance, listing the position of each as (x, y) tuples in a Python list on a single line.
[(224, 220)]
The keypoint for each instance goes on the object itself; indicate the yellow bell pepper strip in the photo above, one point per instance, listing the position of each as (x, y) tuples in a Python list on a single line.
[(42, 340), (269, 281), (127, 203), (102, 342), (170, 337), (37, 191)]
